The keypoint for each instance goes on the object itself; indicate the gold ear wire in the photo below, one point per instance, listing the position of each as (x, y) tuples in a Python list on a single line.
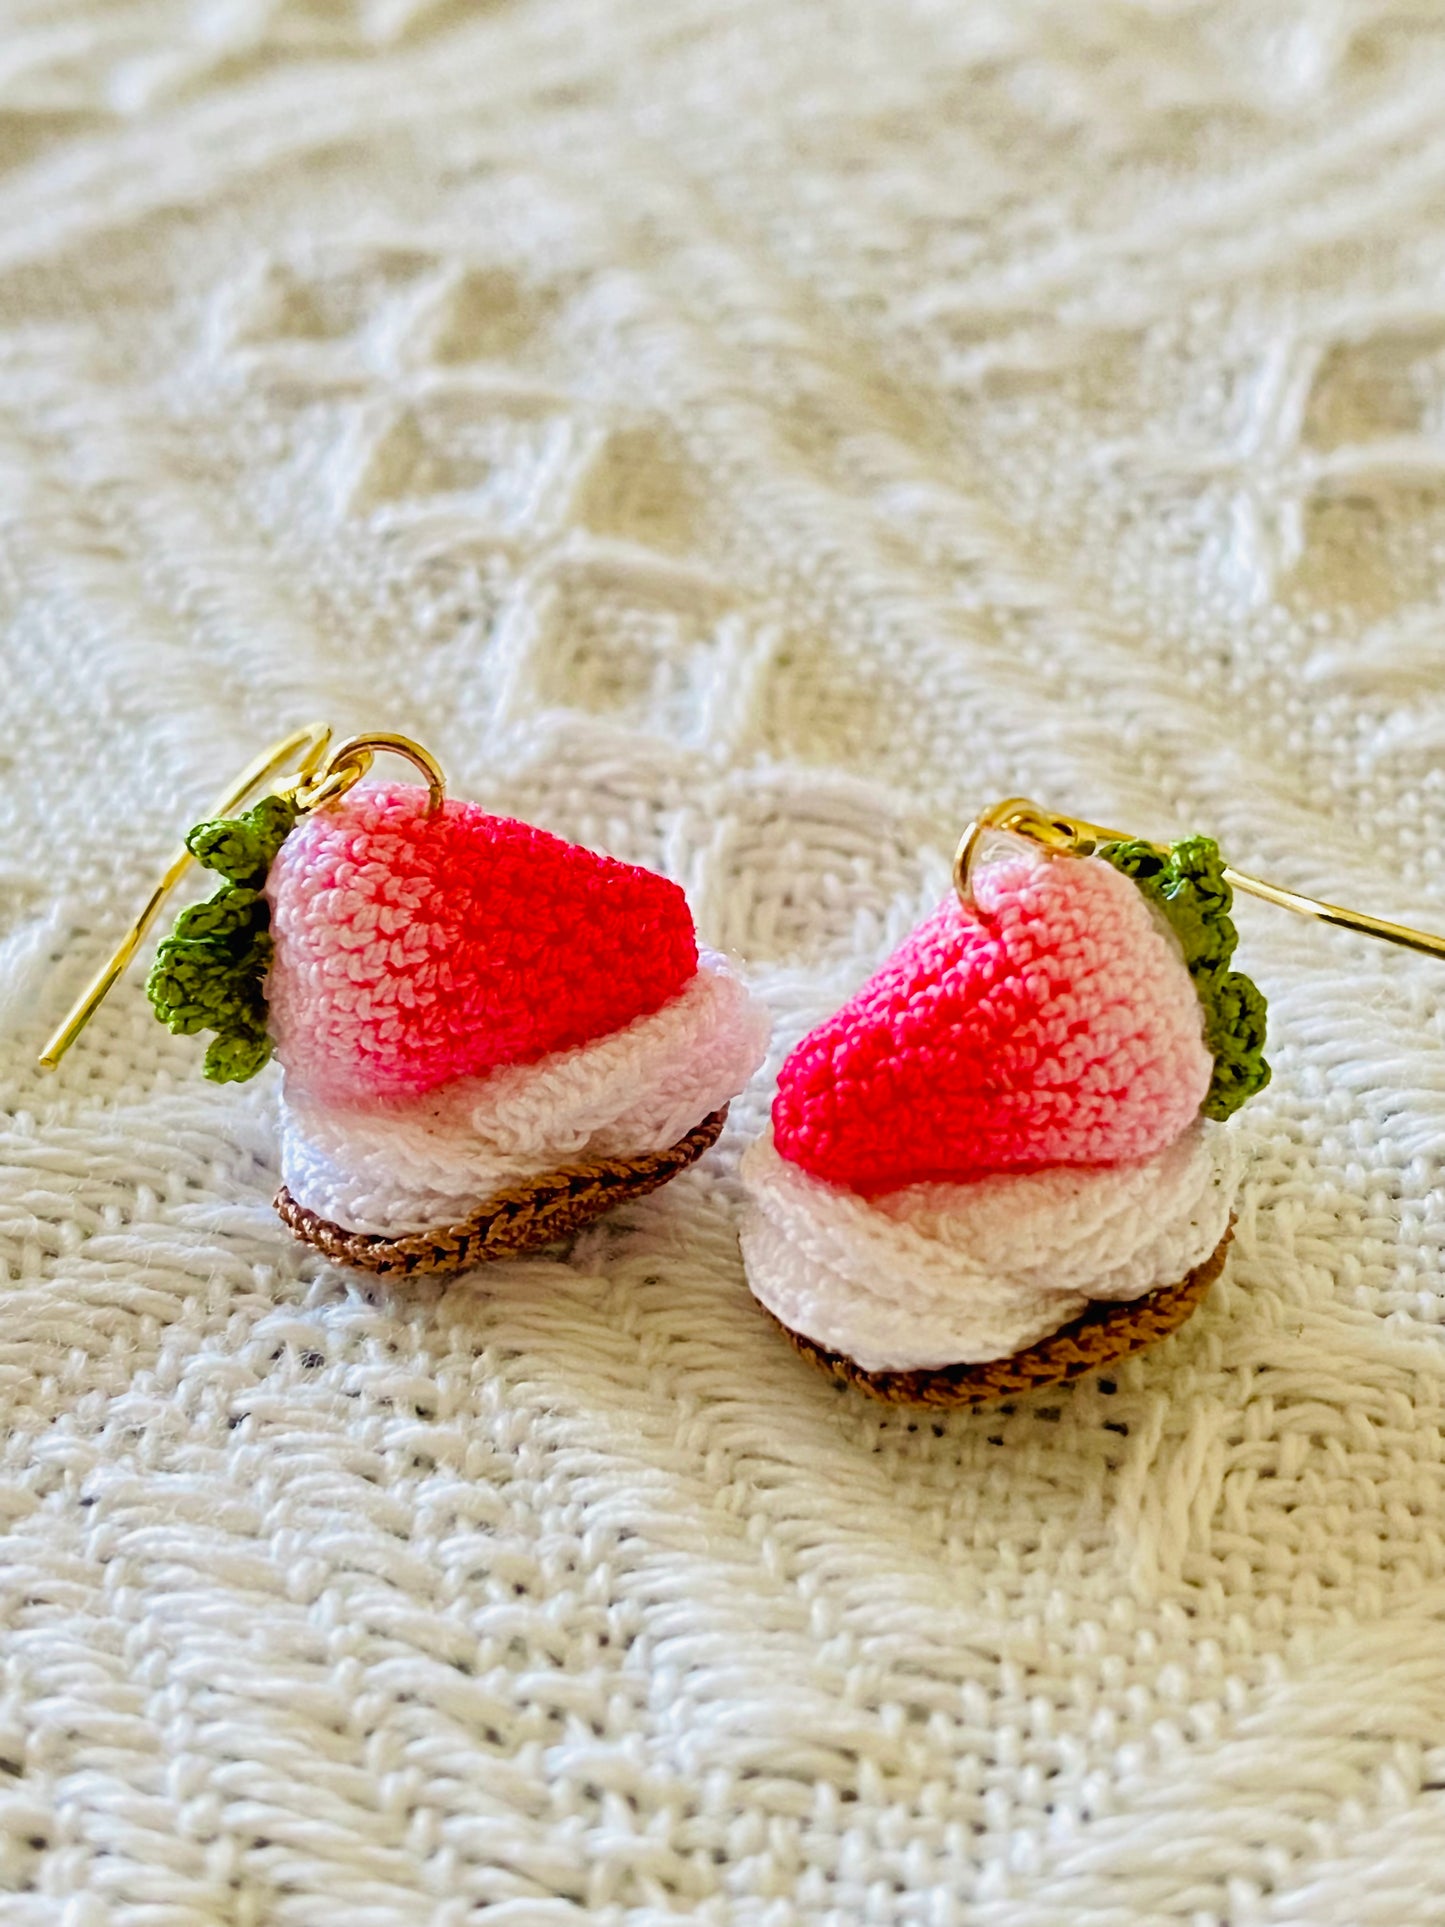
[(351, 760), (1072, 836), (318, 779)]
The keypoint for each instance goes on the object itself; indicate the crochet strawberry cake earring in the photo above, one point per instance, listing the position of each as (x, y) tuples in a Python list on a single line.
[(489, 1036), (1006, 1161)]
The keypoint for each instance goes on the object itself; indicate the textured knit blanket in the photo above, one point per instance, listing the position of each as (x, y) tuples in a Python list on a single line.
[(745, 436)]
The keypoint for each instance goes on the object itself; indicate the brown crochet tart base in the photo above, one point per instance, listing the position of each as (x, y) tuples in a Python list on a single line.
[(1100, 1336), (524, 1219)]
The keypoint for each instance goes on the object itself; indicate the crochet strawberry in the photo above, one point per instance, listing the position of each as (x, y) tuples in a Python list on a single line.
[(1001, 1163), (490, 1037), (413, 949), (1059, 1022)]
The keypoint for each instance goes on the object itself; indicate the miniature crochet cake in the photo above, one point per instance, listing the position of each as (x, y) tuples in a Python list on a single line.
[(1005, 1160), (489, 1036)]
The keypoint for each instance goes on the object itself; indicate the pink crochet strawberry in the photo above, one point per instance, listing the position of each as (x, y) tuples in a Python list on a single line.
[(413, 949), (489, 1035), (1063, 1030), (1016, 1118)]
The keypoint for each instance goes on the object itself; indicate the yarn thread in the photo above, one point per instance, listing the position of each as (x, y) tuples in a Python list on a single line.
[(742, 437), (413, 948), (1102, 1334), (1001, 1045), (524, 1218), (407, 1164), (210, 972), (1054, 1024), (1189, 885), (934, 1275)]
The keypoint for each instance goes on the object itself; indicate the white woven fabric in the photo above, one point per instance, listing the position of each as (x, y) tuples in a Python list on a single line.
[(745, 436)]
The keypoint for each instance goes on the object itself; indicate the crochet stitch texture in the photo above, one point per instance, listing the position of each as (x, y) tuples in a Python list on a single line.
[(210, 972), (743, 437), (1054, 1024), (936, 1274), (1188, 885), (389, 1165), (413, 949)]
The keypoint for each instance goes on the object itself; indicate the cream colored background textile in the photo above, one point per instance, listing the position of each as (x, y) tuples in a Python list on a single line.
[(744, 436)]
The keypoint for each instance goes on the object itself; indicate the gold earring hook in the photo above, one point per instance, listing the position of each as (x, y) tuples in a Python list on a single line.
[(1072, 836), (351, 760), (318, 779)]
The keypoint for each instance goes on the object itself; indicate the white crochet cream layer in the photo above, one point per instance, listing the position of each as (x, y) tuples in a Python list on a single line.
[(943, 1274), (414, 1164)]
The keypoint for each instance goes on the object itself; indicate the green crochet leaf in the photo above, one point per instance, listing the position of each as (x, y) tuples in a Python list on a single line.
[(233, 1059), (1188, 885), (198, 985), (241, 848), (227, 917), (210, 972)]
